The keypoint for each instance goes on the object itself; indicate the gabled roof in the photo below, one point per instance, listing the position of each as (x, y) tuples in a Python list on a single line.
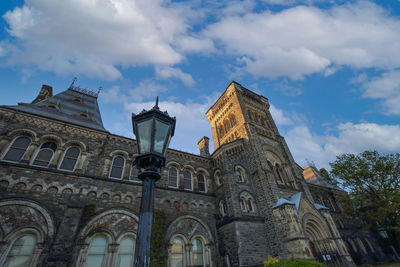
[(281, 202), (296, 198), (313, 176), (74, 105), (320, 207)]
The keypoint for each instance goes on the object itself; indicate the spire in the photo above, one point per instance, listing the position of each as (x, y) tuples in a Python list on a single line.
[(156, 105)]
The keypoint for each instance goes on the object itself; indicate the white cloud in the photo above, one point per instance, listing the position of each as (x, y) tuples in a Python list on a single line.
[(385, 87), (95, 37), (279, 116), (350, 138), (166, 72), (303, 40)]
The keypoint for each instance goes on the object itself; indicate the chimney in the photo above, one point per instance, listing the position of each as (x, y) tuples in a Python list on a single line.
[(45, 92), (204, 146)]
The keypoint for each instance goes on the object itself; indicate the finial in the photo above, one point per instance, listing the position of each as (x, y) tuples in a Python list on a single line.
[(156, 106), (73, 82), (98, 91)]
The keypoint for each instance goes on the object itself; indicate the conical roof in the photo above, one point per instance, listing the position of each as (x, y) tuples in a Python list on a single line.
[(74, 105)]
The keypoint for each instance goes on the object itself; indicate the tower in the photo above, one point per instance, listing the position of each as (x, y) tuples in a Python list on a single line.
[(265, 203)]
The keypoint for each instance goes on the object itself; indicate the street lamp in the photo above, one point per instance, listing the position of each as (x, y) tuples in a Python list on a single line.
[(153, 130), (383, 233)]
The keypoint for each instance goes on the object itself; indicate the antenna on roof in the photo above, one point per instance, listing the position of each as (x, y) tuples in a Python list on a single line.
[(73, 82), (156, 105)]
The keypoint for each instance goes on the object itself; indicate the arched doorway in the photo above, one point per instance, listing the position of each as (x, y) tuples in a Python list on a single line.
[(318, 240)]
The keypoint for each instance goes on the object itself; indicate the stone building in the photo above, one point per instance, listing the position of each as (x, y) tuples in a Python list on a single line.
[(69, 193)]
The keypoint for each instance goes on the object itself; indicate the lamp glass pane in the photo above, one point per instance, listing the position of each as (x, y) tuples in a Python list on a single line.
[(160, 136), (144, 135)]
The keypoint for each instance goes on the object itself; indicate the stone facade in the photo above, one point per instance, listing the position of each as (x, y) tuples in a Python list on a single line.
[(246, 201)]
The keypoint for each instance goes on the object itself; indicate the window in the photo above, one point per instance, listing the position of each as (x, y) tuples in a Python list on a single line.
[(126, 251), (278, 173), (45, 154), (70, 158), (227, 125), (201, 183), (198, 258), (187, 180), (173, 177), (21, 251), (221, 130), (247, 203), (17, 149), (96, 252), (240, 174), (233, 120), (134, 176), (177, 253), (218, 180), (117, 167), (222, 208)]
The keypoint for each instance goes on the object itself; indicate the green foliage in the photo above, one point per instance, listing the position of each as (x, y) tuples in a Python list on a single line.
[(373, 182), (158, 249), (272, 262)]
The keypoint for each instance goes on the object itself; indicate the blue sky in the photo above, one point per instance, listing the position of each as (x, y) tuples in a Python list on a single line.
[(331, 69)]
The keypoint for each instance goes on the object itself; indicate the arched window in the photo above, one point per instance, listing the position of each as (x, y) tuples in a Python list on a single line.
[(134, 175), (117, 167), (173, 177), (201, 183), (218, 179), (198, 255), (233, 120), (70, 158), (22, 251), (17, 149), (45, 154), (187, 180), (177, 253), (222, 208), (126, 251), (96, 252), (240, 174), (278, 172), (221, 130), (227, 125), (247, 203)]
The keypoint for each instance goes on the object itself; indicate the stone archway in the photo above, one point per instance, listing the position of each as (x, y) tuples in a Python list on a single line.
[(317, 237)]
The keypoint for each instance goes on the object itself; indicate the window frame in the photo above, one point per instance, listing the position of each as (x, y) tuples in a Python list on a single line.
[(137, 180), (184, 254), (63, 157), (192, 253), (177, 177), (204, 182), (112, 165), (40, 149), (10, 146), (191, 180), (15, 239), (106, 252)]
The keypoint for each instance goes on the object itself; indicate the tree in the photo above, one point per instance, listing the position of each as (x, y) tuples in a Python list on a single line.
[(158, 247), (373, 183)]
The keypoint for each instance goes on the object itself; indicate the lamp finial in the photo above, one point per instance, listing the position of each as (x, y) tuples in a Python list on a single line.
[(156, 106)]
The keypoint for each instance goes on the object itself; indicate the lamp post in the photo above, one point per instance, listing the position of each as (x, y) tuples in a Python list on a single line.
[(383, 233), (153, 130)]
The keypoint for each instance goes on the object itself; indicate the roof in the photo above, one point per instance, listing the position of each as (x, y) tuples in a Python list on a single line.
[(281, 202), (74, 105), (296, 198), (313, 176), (320, 207)]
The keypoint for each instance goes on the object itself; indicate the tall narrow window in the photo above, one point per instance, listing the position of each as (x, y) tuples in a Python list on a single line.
[(177, 253), (278, 172), (21, 251), (134, 176), (218, 179), (201, 183), (227, 125), (242, 204), (45, 154), (70, 158), (126, 252), (240, 174), (96, 252), (117, 167), (233, 120), (222, 208), (173, 177), (17, 149), (198, 258), (187, 180)]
